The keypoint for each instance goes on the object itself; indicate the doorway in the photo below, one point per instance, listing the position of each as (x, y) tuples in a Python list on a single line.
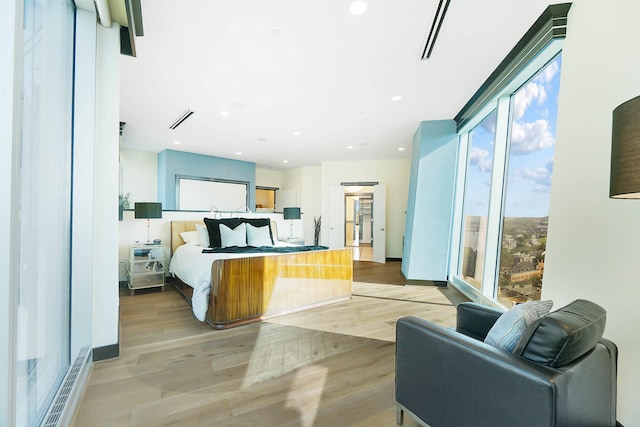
[(359, 224), (344, 232)]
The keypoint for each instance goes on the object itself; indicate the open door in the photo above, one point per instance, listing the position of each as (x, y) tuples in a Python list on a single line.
[(379, 222), (336, 217)]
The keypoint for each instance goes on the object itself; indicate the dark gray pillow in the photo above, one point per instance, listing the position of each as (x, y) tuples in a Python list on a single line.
[(564, 335)]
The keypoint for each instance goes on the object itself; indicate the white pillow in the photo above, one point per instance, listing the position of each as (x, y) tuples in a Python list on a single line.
[(258, 236), (190, 238), (233, 237), (510, 326), (203, 235)]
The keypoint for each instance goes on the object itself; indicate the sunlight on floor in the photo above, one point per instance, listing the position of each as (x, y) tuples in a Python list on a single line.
[(306, 392)]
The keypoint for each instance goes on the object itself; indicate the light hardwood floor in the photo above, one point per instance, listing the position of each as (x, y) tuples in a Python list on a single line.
[(330, 366)]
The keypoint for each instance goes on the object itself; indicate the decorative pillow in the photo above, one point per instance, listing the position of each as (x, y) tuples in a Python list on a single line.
[(203, 235), (233, 237), (258, 236), (213, 226), (510, 326), (565, 335), (190, 238)]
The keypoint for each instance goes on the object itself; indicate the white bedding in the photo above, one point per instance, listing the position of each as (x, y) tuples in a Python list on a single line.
[(190, 265)]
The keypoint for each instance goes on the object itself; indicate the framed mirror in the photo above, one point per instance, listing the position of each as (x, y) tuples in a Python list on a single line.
[(209, 194)]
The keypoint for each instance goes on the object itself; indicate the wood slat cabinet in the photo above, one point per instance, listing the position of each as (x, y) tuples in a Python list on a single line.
[(147, 267)]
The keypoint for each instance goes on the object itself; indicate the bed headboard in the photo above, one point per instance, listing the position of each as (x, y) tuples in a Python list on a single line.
[(178, 227)]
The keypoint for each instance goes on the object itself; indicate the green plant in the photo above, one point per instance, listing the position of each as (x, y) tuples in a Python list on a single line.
[(316, 230), (125, 201)]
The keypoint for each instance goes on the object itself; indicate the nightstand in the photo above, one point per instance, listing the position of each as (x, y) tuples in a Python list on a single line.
[(147, 266)]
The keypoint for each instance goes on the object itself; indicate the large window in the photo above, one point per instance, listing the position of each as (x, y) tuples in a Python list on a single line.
[(526, 202), (476, 200), (42, 353), (505, 197), (506, 136)]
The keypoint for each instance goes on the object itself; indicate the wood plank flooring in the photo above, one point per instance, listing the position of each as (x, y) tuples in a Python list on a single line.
[(330, 366)]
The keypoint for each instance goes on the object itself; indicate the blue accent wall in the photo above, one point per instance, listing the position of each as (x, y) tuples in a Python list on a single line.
[(430, 204), (172, 163)]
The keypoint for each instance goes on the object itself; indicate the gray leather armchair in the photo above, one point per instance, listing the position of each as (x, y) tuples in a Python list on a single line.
[(562, 372)]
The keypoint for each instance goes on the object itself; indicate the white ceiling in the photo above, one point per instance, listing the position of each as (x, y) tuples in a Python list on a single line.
[(284, 66)]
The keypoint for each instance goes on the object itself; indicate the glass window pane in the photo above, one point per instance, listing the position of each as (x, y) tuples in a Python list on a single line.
[(42, 356), (476, 200), (526, 207)]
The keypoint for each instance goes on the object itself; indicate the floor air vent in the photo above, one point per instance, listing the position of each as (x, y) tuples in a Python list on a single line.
[(59, 405)]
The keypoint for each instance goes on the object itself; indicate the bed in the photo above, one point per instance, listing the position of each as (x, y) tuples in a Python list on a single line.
[(232, 289)]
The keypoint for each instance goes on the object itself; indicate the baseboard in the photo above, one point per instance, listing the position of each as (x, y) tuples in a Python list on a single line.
[(438, 283), (106, 352)]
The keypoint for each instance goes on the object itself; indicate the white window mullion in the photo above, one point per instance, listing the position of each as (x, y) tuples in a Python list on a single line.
[(456, 229), (489, 279)]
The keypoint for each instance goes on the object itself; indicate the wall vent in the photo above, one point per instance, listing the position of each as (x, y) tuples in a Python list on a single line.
[(63, 405)]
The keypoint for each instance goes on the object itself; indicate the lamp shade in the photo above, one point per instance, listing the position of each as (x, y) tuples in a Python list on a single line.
[(291, 213), (625, 151), (148, 210)]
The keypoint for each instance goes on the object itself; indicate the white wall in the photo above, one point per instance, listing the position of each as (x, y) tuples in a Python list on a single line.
[(268, 178), (139, 174), (594, 242), (393, 173), (306, 183), (82, 262), (105, 201)]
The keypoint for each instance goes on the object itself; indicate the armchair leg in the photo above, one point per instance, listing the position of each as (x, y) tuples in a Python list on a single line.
[(399, 415)]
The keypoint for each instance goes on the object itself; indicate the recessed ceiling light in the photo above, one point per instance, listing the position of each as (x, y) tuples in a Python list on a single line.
[(358, 7), (401, 149), (296, 133), (224, 113), (238, 153), (285, 161), (349, 147), (176, 142), (396, 97), (262, 138), (276, 32)]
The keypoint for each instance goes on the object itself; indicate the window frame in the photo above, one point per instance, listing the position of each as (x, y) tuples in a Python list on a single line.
[(539, 47)]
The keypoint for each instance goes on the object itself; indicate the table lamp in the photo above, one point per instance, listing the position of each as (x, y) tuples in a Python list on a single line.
[(148, 210), (625, 151), (291, 214)]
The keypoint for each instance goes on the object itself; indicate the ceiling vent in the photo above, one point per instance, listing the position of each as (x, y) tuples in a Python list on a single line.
[(181, 119), (435, 28)]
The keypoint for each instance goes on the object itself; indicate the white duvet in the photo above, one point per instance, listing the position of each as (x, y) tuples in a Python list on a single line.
[(190, 265)]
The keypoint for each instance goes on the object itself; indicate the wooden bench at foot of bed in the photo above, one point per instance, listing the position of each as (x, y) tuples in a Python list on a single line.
[(245, 290)]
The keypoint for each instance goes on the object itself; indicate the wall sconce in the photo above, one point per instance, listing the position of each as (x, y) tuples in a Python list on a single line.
[(148, 210), (625, 151), (291, 214)]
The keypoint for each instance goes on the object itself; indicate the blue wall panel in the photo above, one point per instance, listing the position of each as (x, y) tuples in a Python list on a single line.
[(172, 163), (430, 203)]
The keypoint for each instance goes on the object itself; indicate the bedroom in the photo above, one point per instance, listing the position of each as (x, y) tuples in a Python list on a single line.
[(581, 210)]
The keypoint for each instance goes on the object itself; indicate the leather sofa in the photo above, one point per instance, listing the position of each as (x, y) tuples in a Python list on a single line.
[(561, 373)]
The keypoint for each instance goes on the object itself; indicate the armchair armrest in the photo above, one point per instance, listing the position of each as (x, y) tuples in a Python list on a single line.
[(475, 320)]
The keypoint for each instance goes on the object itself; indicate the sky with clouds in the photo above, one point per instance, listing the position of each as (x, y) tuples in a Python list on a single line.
[(530, 152)]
